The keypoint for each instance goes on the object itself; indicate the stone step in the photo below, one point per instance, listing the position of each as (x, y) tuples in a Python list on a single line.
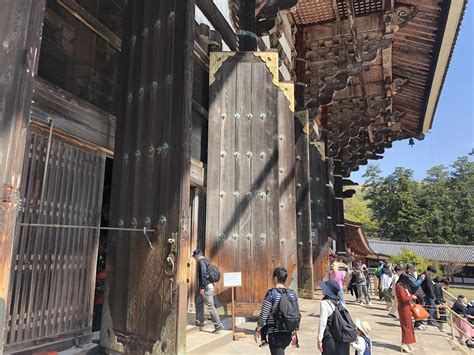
[(205, 341)]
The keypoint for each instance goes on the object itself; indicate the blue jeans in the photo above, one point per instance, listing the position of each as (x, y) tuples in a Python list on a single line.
[(430, 306)]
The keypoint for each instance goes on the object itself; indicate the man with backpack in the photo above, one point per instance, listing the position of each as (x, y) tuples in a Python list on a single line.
[(207, 274), (280, 316)]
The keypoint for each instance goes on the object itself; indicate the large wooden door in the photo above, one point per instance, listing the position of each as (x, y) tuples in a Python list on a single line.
[(53, 269), (250, 225)]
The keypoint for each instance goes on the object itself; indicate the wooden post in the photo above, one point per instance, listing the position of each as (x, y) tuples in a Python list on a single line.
[(20, 34), (339, 209), (233, 312), (319, 209)]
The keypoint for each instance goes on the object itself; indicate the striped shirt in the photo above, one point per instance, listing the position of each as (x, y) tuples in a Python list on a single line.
[(270, 303)]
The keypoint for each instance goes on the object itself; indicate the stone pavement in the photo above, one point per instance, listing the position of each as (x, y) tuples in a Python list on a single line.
[(385, 335)]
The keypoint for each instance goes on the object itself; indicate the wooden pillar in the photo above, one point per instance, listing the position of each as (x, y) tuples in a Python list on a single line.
[(146, 292), (286, 182), (303, 204), (331, 198), (302, 174), (20, 35), (339, 209), (319, 210), (247, 26)]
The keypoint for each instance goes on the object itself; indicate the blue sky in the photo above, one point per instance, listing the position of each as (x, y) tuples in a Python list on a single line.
[(452, 134)]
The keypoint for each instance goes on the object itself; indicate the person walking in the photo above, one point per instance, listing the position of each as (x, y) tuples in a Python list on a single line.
[(278, 338), (205, 296), (397, 272), (327, 345), (337, 276), (428, 288), (353, 285), (404, 297), (362, 285), (386, 285)]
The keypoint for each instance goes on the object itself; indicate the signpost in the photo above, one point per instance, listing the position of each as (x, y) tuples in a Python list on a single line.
[(233, 280)]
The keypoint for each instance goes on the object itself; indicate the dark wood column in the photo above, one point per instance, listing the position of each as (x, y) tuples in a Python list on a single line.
[(331, 198), (302, 173), (319, 210), (20, 35), (247, 26), (339, 208), (146, 293), (303, 204)]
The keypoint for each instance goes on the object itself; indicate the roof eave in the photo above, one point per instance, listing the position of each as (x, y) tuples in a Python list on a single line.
[(448, 40)]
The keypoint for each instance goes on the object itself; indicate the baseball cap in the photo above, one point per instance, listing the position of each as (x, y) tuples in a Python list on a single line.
[(411, 267), (197, 252)]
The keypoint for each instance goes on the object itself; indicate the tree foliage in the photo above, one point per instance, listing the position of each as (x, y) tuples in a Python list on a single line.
[(410, 257), (438, 209), (356, 209)]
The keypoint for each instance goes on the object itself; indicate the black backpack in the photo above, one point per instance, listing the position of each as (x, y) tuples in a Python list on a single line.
[(342, 327), (286, 313), (214, 272)]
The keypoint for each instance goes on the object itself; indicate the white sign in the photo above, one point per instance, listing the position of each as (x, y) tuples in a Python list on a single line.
[(232, 279)]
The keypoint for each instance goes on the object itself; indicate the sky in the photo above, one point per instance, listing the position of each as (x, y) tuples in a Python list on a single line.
[(452, 134)]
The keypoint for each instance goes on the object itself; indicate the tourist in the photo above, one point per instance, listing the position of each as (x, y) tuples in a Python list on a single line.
[(378, 274), (353, 285), (326, 343), (404, 297), (205, 296), (362, 285), (268, 329), (393, 310), (465, 329), (337, 276), (386, 286), (428, 288), (440, 283), (415, 289), (363, 345)]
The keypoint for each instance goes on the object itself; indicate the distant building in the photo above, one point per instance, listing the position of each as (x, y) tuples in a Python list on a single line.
[(441, 253)]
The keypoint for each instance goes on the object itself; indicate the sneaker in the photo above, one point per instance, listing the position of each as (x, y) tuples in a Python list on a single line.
[(199, 324), (369, 304), (420, 327), (218, 329), (392, 315), (432, 323)]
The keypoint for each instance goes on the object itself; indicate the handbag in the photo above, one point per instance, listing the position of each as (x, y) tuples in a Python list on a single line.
[(418, 311)]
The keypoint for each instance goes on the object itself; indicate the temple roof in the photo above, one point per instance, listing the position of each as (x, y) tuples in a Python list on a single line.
[(433, 252)]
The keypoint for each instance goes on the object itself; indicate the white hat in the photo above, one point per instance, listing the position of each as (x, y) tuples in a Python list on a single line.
[(363, 326)]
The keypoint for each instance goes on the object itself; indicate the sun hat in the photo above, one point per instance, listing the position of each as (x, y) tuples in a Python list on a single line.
[(363, 326), (330, 288)]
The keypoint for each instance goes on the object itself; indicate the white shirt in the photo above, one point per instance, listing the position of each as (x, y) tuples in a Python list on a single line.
[(359, 344), (386, 281), (326, 310)]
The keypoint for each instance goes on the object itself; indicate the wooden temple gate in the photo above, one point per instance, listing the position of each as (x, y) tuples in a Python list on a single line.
[(250, 225)]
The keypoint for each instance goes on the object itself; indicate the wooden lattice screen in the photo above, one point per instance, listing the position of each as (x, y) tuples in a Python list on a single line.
[(51, 291)]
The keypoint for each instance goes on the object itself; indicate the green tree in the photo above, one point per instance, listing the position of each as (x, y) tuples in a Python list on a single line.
[(438, 209), (393, 201), (356, 209), (410, 257)]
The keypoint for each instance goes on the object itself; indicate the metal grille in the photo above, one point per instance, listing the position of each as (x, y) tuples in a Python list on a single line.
[(361, 7), (54, 268)]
